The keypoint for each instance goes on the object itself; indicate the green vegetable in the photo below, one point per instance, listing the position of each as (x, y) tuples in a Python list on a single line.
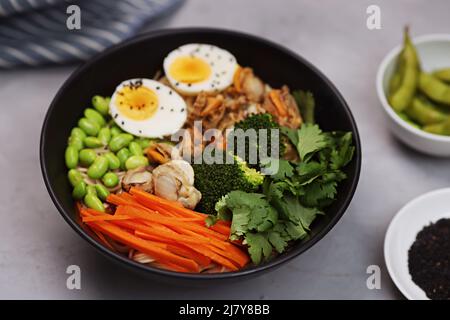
[(87, 157), (251, 149), (216, 180), (442, 74), (442, 128), (74, 177), (79, 191), (308, 139), (120, 141), (434, 88), (102, 192), (90, 127), (104, 135), (76, 142), (306, 104), (123, 156), (110, 179), (115, 131), (135, 148), (94, 115), (93, 142), (78, 133), (92, 201), (71, 157), (114, 161), (134, 162), (401, 98), (424, 112), (98, 168), (101, 104), (144, 142)]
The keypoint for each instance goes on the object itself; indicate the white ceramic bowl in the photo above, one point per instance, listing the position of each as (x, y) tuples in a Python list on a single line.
[(434, 53), (402, 232)]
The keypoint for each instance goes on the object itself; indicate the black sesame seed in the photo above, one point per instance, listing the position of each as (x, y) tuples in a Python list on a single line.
[(157, 88), (207, 55), (182, 109), (177, 84), (189, 84), (170, 91), (171, 110), (122, 122), (116, 115), (212, 85), (140, 131), (212, 64), (231, 59), (162, 108)]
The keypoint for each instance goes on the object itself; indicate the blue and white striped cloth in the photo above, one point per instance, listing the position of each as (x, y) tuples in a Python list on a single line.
[(34, 32)]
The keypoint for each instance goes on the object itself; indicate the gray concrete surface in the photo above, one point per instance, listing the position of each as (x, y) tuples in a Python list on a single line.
[(36, 245)]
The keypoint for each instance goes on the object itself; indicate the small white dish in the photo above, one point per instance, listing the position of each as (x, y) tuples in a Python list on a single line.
[(401, 234), (434, 53)]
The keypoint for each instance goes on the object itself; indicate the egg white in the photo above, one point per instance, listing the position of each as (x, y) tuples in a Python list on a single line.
[(169, 117), (222, 63)]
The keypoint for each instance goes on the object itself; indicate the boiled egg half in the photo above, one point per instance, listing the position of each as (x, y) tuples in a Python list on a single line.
[(197, 67), (147, 108)]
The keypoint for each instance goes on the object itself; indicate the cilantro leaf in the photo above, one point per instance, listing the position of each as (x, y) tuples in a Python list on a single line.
[(278, 169), (259, 247), (310, 139), (306, 104), (342, 155)]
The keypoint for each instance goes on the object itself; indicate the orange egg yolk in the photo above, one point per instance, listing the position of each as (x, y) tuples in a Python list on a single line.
[(137, 103), (189, 69)]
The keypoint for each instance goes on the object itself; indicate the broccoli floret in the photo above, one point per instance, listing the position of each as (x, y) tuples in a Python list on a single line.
[(257, 122), (216, 180)]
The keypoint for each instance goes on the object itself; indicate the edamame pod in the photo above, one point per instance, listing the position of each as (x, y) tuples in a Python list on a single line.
[(79, 191), (101, 104), (110, 179), (76, 142), (408, 120), (94, 115), (114, 161), (402, 97), (98, 168), (74, 177), (123, 156), (93, 202), (442, 128), (92, 142), (90, 189), (434, 88), (90, 127), (71, 157), (87, 157), (115, 131), (102, 192), (134, 162), (443, 74), (135, 148), (77, 132), (120, 141), (424, 113), (104, 135), (144, 142)]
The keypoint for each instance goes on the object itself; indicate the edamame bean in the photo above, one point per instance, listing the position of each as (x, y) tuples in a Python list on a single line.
[(110, 179), (144, 142), (443, 74), (92, 142), (115, 131), (102, 192), (74, 177), (90, 189), (120, 141), (77, 132), (94, 115), (123, 156), (442, 128), (434, 88), (114, 161), (401, 98), (93, 202), (87, 157), (104, 135), (90, 127), (134, 162), (79, 191), (71, 157), (98, 168), (423, 112), (135, 148), (101, 104), (76, 142)]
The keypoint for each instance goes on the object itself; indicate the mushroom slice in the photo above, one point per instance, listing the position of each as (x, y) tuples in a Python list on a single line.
[(139, 178)]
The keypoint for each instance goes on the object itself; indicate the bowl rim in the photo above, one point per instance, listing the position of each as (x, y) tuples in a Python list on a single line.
[(392, 54), (294, 252)]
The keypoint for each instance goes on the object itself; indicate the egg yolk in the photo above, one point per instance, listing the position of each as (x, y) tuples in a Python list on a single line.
[(137, 103), (189, 69)]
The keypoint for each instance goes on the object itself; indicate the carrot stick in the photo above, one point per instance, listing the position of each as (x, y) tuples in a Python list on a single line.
[(106, 217), (145, 246), (170, 266), (103, 240)]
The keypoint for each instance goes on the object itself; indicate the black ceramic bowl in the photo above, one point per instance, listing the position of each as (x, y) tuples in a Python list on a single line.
[(142, 57)]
